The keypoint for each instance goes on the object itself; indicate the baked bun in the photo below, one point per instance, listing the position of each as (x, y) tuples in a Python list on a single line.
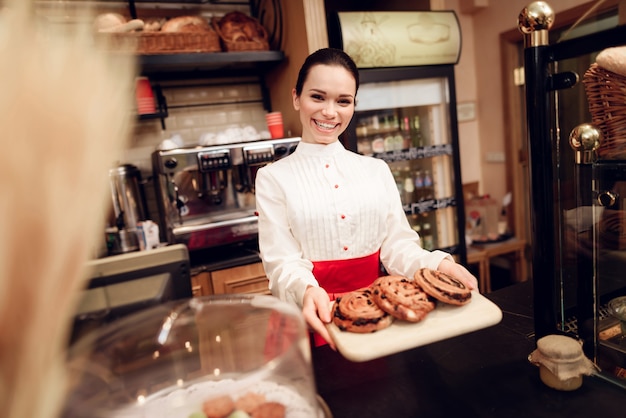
[(357, 312), (269, 410), (239, 27), (153, 24), (443, 287), (186, 24), (401, 298), (218, 407), (107, 21)]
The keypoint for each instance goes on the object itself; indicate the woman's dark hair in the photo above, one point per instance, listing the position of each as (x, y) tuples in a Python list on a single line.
[(326, 56)]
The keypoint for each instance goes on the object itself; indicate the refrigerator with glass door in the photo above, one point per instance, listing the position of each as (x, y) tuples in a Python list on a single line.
[(407, 117)]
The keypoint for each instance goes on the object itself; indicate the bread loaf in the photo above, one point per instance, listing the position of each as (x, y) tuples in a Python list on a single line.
[(186, 24), (239, 27), (107, 21)]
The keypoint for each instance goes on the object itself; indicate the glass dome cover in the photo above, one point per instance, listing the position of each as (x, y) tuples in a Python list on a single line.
[(171, 359)]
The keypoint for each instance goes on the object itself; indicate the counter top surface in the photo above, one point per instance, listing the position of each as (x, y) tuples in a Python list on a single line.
[(482, 374)]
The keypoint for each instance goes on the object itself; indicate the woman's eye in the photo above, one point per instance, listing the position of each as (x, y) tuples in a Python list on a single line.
[(345, 102), (317, 97)]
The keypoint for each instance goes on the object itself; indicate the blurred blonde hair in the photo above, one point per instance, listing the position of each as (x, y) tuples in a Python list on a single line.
[(65, 113)]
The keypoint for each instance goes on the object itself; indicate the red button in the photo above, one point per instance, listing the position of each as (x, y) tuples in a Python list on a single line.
[(327, 165), (256, 213), (336, 186), (345, 248), (343, 216)]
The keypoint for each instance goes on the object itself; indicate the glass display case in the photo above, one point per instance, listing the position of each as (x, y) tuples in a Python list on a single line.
[(577, 190)]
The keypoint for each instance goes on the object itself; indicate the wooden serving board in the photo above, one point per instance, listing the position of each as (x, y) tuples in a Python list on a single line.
[(445, 321)]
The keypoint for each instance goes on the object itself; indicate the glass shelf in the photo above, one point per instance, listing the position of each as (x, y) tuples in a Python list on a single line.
[(415, 153)]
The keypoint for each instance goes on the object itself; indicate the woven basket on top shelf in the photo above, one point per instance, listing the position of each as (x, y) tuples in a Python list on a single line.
[(152, 43), (259, 43), (606, 94)]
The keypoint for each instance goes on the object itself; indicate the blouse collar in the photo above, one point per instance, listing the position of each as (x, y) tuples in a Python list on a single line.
[(319, 150)]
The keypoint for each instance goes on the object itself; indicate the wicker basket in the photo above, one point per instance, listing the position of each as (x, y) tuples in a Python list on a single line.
[(261, 44), (153, 43), (606, 94)]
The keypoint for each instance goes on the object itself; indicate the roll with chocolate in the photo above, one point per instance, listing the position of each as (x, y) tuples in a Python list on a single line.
[(401, 298), (443, 287), (356, 311)]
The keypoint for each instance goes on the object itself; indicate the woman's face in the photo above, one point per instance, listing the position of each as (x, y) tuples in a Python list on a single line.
[(326, 104)]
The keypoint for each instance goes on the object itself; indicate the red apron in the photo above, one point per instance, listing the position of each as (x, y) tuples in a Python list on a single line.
[(341, 276)]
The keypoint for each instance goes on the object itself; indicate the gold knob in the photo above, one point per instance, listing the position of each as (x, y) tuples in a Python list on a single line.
[(535, 20), (585, 140)]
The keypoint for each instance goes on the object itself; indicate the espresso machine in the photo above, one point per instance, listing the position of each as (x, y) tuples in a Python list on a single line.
[(205, 194)]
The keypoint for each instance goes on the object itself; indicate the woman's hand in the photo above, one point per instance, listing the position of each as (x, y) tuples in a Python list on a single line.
[(316, 311), (456, 270)]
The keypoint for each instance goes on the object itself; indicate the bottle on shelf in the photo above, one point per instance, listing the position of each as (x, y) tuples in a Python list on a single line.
[(375, 124), (398, 142), (428, 186), (374, 138), (405, 133), (389, 128), (416, 135), (427, 237), (409, 186), (389, 142), (397, 137), (419, 186), (386, 123)]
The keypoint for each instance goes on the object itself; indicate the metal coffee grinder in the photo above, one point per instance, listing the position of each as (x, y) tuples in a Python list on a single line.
[(129, 208)]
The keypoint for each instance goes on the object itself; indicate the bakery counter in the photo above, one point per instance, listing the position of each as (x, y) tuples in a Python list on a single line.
[(482, 374)]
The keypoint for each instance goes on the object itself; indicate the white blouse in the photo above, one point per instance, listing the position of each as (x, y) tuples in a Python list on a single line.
[(324, 202)]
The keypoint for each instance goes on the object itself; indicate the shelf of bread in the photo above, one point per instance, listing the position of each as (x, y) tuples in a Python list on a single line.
[(183, 43)]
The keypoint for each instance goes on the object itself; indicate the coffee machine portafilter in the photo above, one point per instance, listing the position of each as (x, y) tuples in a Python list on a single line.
[(213, 167)]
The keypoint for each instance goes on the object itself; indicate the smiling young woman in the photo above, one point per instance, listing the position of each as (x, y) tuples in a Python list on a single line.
[(329, 217)]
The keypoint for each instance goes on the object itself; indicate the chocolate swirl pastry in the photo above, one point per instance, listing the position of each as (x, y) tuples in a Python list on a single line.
[(356, 311), (401, 298), (443, 287)]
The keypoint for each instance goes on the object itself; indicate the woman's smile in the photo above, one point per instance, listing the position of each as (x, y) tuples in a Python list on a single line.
[(327, 126)]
